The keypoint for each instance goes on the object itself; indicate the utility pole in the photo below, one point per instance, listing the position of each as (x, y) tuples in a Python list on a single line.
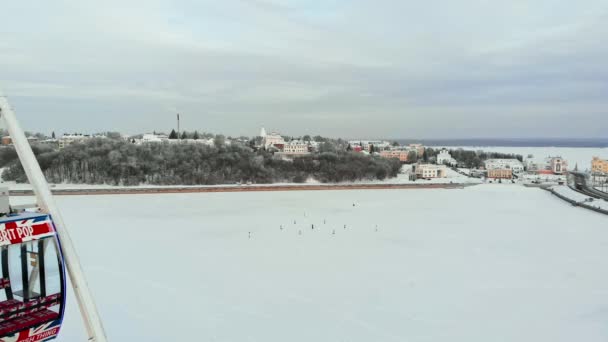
[(44, 198), (178, 132)]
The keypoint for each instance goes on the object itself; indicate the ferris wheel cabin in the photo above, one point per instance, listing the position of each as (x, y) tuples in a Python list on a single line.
[(32, 283)]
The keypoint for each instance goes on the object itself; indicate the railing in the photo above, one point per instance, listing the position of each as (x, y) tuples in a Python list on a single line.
[(576, 203)]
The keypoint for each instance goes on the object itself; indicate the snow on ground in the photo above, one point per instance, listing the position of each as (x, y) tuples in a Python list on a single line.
[(544, 179), (464, 170), (485, 263), (68, 186), (406, 170), (577, 196)]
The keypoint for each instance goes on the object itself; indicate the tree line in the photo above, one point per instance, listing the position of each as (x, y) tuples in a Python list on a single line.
[(468, 158), (118, 162)]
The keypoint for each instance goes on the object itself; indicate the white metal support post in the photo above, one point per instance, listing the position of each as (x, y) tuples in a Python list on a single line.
[(45, 201)]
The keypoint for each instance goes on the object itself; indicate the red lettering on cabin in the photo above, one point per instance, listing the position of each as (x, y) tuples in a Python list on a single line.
[(20, 231)]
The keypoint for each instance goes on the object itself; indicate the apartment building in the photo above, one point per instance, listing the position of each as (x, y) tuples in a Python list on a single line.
[(397, 154), (367, 144), (296, 147), (69, 139), (419, 148), (599, 165), (500, 173), (431, 171), (513, 164)]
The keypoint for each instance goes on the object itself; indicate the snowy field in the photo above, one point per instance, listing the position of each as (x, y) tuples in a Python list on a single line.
[(485, 263), (404, 178)]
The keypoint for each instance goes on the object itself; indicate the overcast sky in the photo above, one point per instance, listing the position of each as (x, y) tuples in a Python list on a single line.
[(350, 68)]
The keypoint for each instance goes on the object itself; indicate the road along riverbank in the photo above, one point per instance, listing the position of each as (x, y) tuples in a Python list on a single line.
[(235, 188)]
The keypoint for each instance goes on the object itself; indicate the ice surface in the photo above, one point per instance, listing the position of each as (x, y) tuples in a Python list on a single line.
[(485, 263)]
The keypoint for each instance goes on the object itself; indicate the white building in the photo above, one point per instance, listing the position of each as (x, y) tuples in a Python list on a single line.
[(296, 147), (557, 165), (273, 139), (512, 164), (50, 141), (445, 158), (68, 139), (532, 165), (550, 165), (431, 171), (208, 142), (366, 144), (151, 138)]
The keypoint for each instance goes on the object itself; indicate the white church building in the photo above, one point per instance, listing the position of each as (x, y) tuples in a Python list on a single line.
[(445, 158), (271, 139)]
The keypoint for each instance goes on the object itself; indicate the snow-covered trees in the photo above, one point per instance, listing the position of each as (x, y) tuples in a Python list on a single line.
[(106, 161), (469, 158)]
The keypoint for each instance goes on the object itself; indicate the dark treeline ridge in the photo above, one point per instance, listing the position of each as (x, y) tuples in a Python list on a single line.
[(117, 162), (472, 159)]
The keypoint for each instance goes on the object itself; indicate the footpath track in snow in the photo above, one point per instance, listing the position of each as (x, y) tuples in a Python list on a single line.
[(248, 188)]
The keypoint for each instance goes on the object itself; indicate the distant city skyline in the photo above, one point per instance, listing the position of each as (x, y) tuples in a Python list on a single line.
[(443, 141), (371, 69), (58, 132)]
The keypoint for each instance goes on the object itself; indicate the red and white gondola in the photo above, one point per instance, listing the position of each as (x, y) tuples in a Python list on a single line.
[(32, 287)]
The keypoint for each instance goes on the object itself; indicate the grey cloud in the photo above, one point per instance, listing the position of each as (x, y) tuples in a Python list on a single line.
[(341, 68)]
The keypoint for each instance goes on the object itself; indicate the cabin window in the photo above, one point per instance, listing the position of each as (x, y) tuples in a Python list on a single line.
[(31, 290)]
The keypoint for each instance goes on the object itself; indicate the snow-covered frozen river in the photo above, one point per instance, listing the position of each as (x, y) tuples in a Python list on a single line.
[(485, 263)]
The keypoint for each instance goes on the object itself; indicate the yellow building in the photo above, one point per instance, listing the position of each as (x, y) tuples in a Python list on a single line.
[(500, 173), (599, 165), (431, 171)]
